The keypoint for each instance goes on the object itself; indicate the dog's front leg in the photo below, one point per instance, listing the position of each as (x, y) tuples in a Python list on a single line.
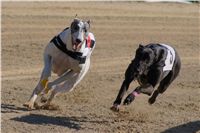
[(145, 89), (123, 89), (129, 99), (46, 73), (117, 102), (129, 77)]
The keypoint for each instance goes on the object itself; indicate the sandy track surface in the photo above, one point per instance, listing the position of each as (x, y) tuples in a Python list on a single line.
[(119, 27)]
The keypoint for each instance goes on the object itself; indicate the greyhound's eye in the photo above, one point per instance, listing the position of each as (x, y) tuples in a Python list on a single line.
[(145, 56), (76, 27)]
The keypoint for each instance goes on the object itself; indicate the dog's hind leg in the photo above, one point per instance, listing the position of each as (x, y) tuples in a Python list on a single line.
[(164, 84), (46, 73), (68, 85)]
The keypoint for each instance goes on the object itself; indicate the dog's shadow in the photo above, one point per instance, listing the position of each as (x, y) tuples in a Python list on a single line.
[(73, 122), (191, 127), (70, 122), (11, 108)]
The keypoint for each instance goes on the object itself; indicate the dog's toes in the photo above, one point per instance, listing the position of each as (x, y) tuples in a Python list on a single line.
[(151, 100), (29, 105), (43, 99), (26, 104), (44, 106), (115, 108), (36, 106), (47, 106)]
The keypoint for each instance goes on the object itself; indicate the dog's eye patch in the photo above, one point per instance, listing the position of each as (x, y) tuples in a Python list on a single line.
[(145, 56), (75, 26)]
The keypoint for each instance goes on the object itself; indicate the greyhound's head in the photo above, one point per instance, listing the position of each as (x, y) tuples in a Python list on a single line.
[(79, 31), (143, 59)]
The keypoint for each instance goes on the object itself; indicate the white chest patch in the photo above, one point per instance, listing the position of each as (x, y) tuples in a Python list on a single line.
[(169, 62)]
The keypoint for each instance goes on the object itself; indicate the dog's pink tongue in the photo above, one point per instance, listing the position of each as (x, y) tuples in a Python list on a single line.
[(76, 47)]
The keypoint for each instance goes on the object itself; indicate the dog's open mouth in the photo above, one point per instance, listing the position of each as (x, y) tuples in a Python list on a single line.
[(76, 43), (76, 46)]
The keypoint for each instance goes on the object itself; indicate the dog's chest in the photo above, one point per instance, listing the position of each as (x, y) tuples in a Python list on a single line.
[(142, 79)]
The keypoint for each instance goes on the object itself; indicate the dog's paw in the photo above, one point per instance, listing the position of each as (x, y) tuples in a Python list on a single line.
[(29, 105), (115, 107), (48, 106), (151, 100), (43, 99), (129, 99)]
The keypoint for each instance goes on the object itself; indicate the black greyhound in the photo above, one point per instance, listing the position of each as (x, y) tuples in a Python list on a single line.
[(153, 64)]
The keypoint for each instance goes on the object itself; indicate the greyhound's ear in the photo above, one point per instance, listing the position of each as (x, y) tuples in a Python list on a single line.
[(76, 18), (88, 22), (87, 26), (141, 46)]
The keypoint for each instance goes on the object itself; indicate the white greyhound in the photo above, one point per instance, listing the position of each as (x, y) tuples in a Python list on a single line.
[(67, 55)]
